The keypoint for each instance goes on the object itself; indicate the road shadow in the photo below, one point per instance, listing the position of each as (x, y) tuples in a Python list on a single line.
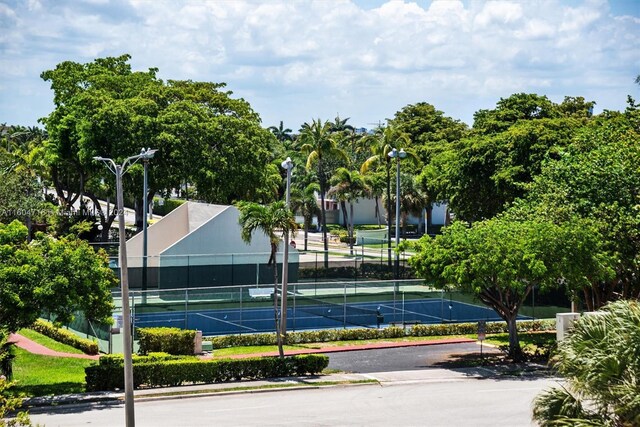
[(494, 366)]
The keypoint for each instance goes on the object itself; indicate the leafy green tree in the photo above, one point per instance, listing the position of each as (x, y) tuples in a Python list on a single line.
[(203, 136), (318, 143), (274, 220), (59, 276), (501, 260), (428, 129), (484, 172), (600, 360), (508, 111), (597, 178)]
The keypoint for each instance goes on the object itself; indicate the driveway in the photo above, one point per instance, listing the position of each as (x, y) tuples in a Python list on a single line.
[(404, 358)]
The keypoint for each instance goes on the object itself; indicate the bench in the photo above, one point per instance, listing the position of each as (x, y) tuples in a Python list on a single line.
[(260, 292), (405, 323)]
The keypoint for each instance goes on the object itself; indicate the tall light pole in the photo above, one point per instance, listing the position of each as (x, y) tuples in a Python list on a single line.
[(145, 155), (288, 165), (119, 171), (395, 154)]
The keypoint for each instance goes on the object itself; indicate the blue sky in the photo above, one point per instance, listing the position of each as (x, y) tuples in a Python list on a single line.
[(294, 61)]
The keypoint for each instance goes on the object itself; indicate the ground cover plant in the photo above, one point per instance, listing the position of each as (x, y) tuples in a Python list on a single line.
[(38, 375)]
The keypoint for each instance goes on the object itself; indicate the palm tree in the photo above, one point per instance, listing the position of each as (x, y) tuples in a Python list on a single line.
[(274, 220), (304, 201), (600, 360), (316, 141), (281, 133), (412, 199), (381, 143), (377, 184), (340, 125), (348, 186)]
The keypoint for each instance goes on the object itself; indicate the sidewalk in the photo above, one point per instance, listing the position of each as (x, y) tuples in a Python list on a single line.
[(35, 348)]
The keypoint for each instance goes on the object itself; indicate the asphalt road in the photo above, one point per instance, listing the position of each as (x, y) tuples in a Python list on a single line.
[(403, 358), (427, 397)]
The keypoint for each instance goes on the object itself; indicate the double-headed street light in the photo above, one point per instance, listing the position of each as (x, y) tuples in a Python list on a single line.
[(395, 154), (145, 155), (119, 171), (287, 165)]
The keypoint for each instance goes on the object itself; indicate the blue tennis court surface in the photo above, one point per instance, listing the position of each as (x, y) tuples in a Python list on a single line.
[(319, 316)]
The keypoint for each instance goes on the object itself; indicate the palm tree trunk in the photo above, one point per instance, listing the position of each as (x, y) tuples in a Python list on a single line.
[(351, 228), (345, 217), (274, 248), (389, 210), (324, 219)]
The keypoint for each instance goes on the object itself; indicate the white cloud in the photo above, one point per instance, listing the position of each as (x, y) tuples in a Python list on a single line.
[(303, 59)]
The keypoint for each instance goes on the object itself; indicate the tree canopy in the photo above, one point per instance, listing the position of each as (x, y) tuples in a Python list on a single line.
[(204, 137), (501, 260), (58, 276)]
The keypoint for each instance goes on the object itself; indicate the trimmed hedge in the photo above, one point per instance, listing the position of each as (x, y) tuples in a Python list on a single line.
[(167, 206), (366, 270), (108, 374), (167, 340), (64, 336), (324, 335)]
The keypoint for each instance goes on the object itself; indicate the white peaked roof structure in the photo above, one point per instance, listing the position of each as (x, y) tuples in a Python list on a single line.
[(200, 236)]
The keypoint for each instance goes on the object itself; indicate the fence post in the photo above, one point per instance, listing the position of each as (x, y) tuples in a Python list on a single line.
[(240, 289), (295, 289), (186, 308), (344, 307)]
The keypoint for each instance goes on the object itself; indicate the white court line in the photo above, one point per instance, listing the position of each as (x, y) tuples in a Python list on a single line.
[(412, 312), (226, 321)]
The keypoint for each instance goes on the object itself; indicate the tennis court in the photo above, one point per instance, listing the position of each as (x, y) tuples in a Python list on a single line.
[(313, 313)]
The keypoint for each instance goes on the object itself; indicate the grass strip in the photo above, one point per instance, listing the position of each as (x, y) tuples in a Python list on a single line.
[(39, 375)]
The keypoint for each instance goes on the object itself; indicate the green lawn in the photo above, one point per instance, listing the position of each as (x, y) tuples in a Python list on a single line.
[(38, 375), (48, 342)]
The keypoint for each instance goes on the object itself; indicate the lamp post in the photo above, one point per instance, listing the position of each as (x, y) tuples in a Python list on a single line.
[(145, 155), (119, 171), (287, 165), (395, 154)]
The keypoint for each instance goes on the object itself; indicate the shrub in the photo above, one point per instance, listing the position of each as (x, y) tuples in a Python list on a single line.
[(109, 375), (168, 340), (325, 335), (65, 336), (167, 206)]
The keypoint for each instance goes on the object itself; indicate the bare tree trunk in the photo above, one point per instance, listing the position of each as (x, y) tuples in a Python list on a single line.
[(515, 352)]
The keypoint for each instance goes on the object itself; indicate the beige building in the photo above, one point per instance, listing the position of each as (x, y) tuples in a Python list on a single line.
[(198, 245)]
